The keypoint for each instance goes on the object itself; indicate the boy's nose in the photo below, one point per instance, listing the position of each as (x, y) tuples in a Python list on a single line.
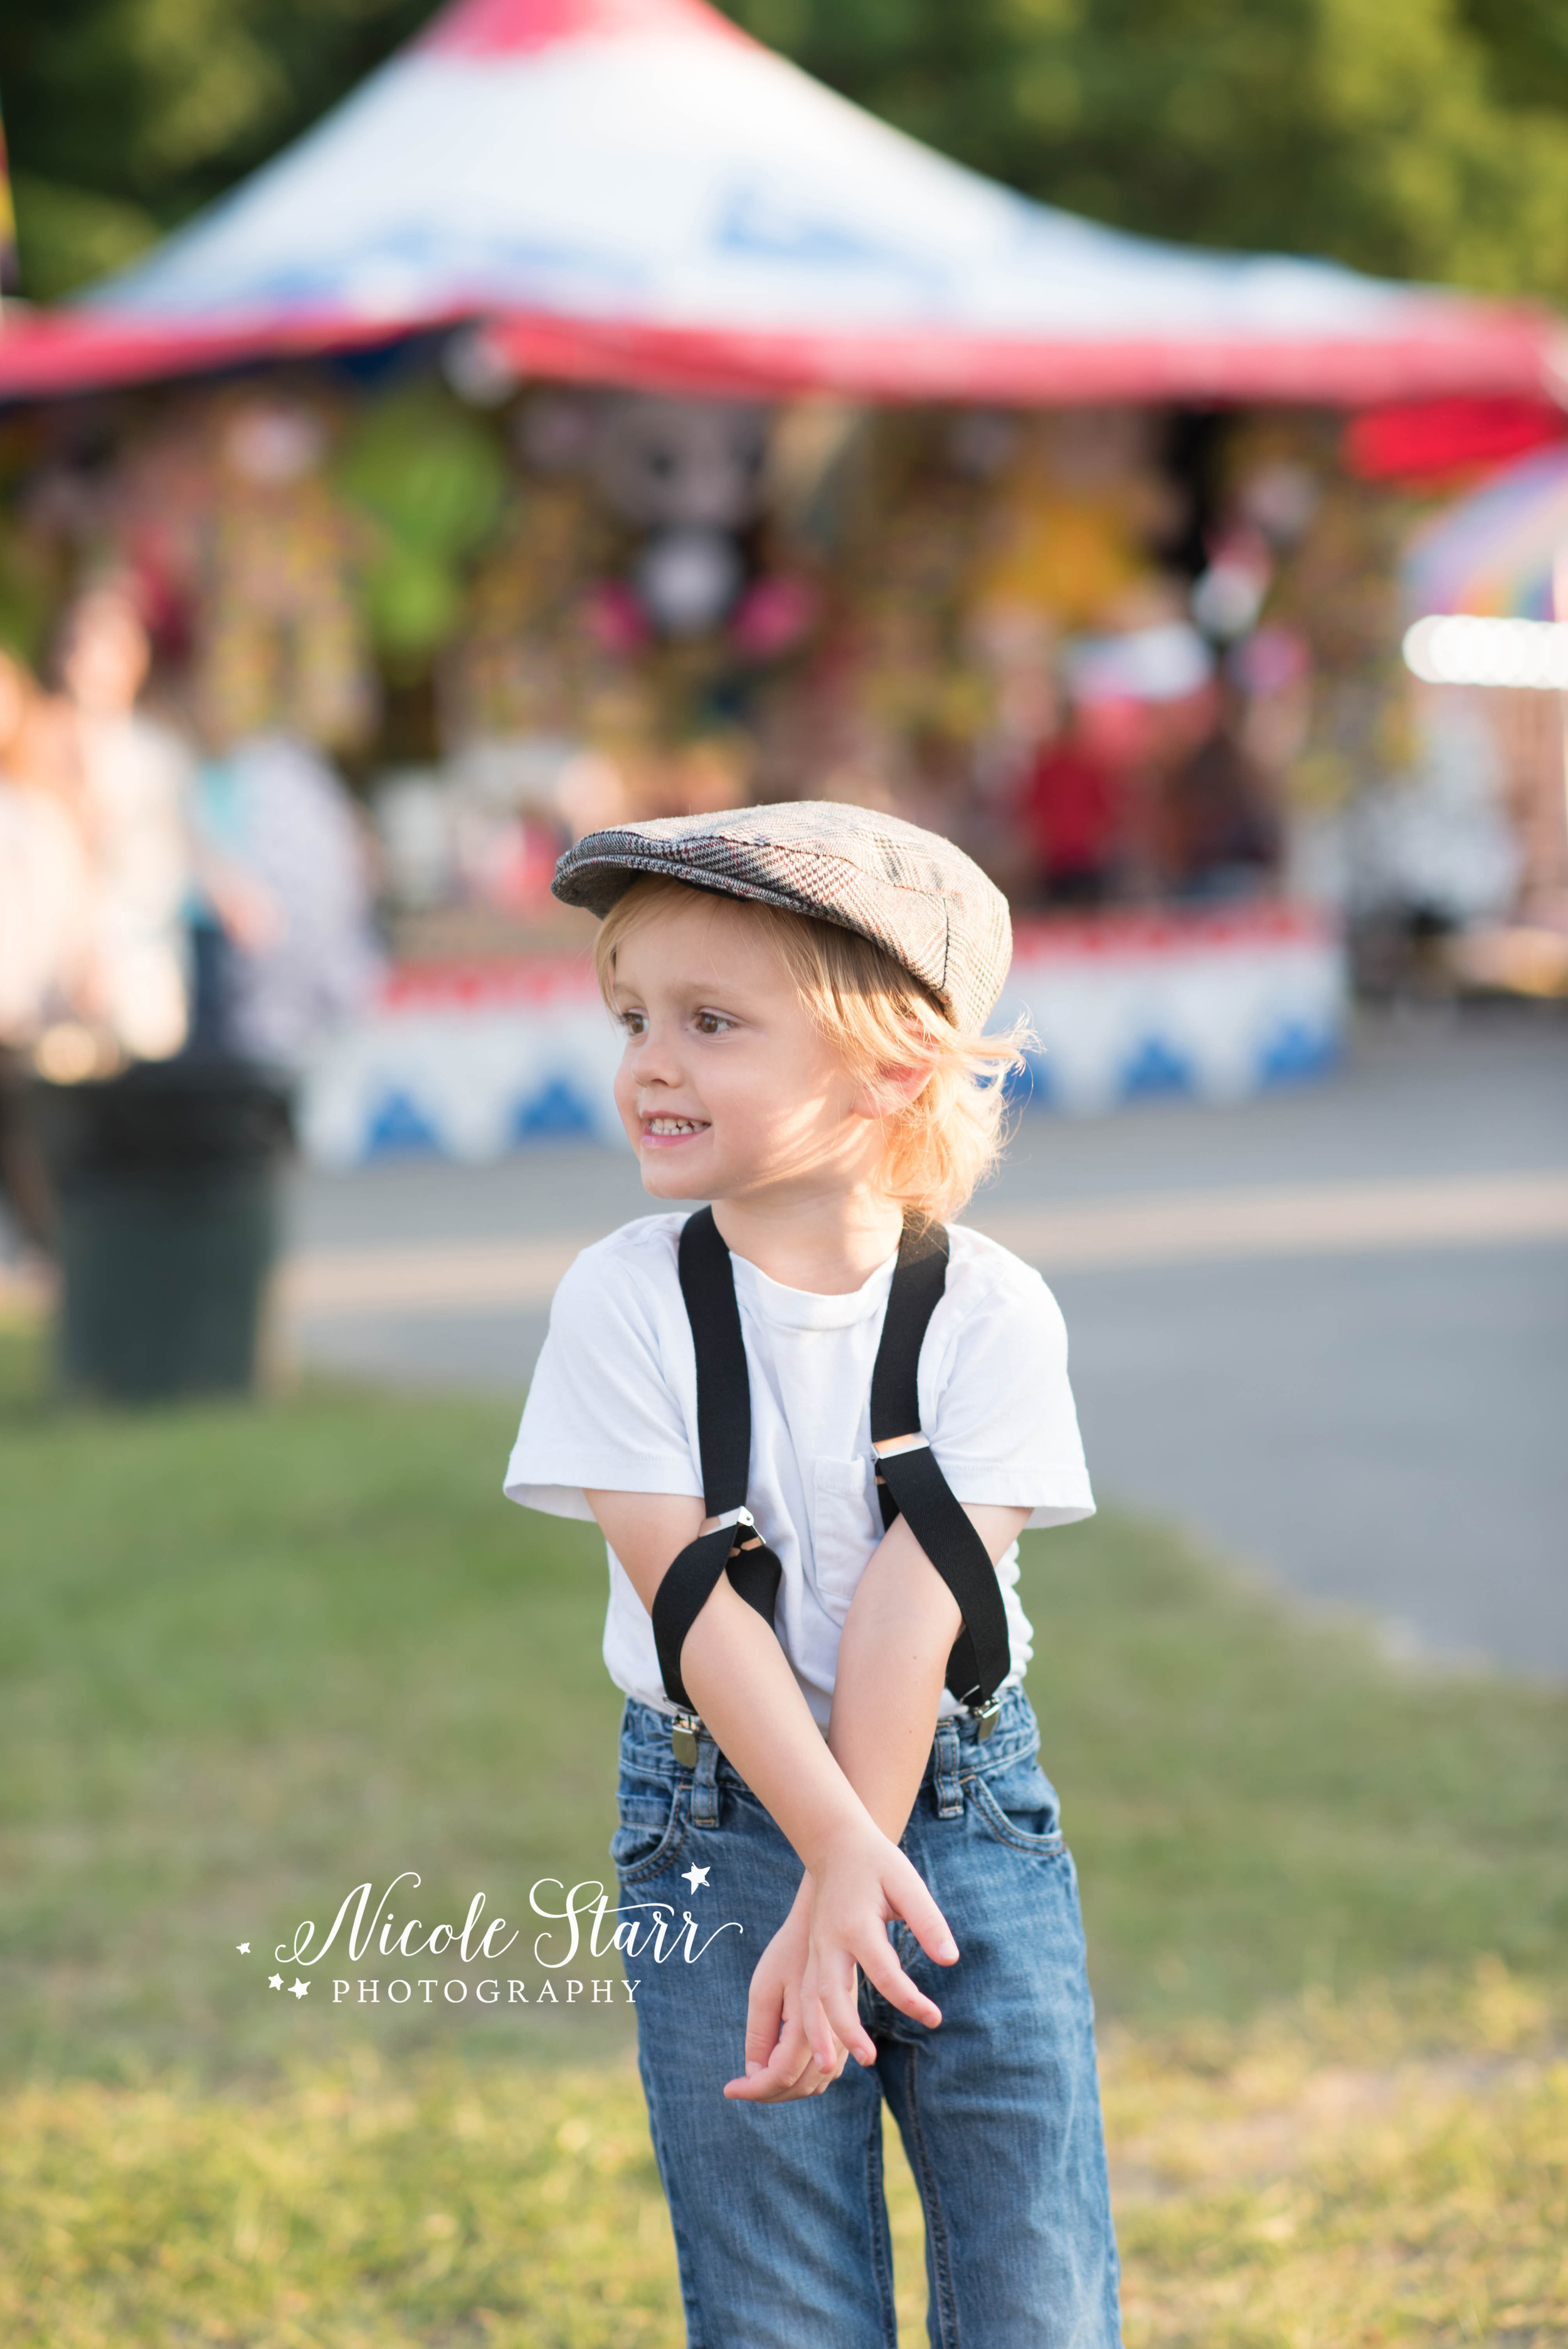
[(653, 1062)]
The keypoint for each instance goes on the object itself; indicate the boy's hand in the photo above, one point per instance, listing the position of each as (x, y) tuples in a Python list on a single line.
[(863, 1881), (780, 2064)]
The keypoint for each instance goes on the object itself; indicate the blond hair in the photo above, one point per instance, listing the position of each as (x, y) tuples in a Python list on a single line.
[(938, 1148)]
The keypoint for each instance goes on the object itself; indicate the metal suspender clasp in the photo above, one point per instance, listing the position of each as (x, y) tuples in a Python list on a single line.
[(683, 1739), (892, 1444), (985, 1715)]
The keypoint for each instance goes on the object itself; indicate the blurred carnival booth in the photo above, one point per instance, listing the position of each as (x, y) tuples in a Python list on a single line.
[(596, 417), (474, 1061)]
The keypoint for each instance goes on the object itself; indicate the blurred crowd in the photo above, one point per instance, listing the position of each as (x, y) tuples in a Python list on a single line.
[(156, 901)]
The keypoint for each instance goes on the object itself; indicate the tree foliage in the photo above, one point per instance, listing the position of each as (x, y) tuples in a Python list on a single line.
[(1427, 140), (124, 117), (1415, 140)]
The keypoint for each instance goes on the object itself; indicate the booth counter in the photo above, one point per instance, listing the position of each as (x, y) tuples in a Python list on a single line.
[(471, 1061)]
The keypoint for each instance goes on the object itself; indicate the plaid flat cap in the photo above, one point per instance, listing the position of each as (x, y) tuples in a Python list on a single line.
[(909, 891)]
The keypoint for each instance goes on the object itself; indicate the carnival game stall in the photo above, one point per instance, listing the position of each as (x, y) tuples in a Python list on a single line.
[(471, 1061), (595, 418)]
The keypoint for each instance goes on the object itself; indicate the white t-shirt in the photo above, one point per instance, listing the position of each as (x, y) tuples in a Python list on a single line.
[(612, 1408)]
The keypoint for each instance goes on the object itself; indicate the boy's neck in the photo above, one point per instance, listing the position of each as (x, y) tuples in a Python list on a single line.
[(827, 1244)]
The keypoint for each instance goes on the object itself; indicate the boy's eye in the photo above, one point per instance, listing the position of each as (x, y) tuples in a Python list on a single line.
[(712, 1023), (634, 1023)]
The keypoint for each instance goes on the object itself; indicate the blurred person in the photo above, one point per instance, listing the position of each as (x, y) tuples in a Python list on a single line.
[(1070, 808), (289, 950), (46, 959), (1223, 834), (137, 778)]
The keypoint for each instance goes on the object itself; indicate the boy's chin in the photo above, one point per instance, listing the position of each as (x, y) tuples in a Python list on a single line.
[(670, 1178)]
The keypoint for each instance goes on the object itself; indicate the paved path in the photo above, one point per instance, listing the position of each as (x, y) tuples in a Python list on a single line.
[(1329, 1330), (497, 1276)]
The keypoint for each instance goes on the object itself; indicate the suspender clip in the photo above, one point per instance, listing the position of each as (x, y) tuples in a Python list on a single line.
[(987, 1716), (683, 1739), (892, 1444)]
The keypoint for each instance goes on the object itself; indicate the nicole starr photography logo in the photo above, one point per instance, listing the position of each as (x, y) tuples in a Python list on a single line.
[(579, 1927)]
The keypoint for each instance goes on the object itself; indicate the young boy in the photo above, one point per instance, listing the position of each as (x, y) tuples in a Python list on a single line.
[(811, 1423)]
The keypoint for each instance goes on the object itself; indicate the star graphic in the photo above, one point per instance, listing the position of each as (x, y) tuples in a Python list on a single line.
[(243, 1947), (298, 1989), (275, 1982), (694, 1876)]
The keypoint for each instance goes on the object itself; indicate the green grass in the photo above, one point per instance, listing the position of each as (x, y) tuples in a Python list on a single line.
[(249, 1658), (1262, 1803), (1313, 2181)]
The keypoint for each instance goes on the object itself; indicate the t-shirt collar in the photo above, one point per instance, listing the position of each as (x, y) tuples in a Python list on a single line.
[(802, 1308)]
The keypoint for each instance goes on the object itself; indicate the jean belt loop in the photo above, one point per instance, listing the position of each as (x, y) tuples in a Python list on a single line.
[(948, 1787), (705, 1784)]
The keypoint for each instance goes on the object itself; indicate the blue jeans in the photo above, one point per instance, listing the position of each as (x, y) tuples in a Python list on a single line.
[(780, 2219)]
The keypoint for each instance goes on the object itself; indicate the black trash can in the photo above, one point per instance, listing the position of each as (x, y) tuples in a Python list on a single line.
[(167, 1182)]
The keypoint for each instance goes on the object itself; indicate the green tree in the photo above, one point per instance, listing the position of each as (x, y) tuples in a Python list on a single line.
[(1427, 139), (126, 116)]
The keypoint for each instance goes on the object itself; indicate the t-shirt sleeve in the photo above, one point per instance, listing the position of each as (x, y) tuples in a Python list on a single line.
[(603, 1413), (1004, 1428)]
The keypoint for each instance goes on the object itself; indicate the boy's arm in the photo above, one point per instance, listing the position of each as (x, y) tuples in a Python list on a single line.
[(891, 1663), (887, 1684), (742, 1685), (892, 1660)]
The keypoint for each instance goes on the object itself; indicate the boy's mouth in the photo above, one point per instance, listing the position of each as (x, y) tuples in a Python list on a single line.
[(664, 1131)]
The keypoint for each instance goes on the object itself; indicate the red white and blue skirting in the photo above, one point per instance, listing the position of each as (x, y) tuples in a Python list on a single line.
[(473, 1062)]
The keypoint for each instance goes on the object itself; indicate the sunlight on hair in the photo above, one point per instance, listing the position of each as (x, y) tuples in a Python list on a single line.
[(940, 1146)]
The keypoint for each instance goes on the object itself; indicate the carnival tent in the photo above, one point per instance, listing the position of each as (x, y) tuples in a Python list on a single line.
[(636, 191)]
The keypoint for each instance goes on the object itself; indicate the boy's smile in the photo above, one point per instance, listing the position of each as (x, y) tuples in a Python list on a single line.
[(659, 1132)]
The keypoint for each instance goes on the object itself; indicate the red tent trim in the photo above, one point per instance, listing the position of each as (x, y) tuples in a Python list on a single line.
[(1509, 353), (59, 352)]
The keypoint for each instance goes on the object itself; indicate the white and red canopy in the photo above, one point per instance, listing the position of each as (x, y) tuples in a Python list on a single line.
[(636, 190)]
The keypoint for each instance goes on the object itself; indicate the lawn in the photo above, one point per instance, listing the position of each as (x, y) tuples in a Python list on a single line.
[(252, 1659)]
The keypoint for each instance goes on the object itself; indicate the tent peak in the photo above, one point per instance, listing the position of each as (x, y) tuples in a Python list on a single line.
[(516, 27), (637, 192)]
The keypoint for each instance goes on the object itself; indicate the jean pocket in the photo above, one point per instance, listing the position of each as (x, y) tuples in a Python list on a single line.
[(1019, 1806), (650, 1833)]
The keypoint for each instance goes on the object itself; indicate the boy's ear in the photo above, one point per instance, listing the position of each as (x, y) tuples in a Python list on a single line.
[(893, 1089)]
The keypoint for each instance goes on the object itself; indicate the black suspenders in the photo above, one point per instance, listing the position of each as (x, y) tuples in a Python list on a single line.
[(724, 1438), (908, 1482), (911, 1485)]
